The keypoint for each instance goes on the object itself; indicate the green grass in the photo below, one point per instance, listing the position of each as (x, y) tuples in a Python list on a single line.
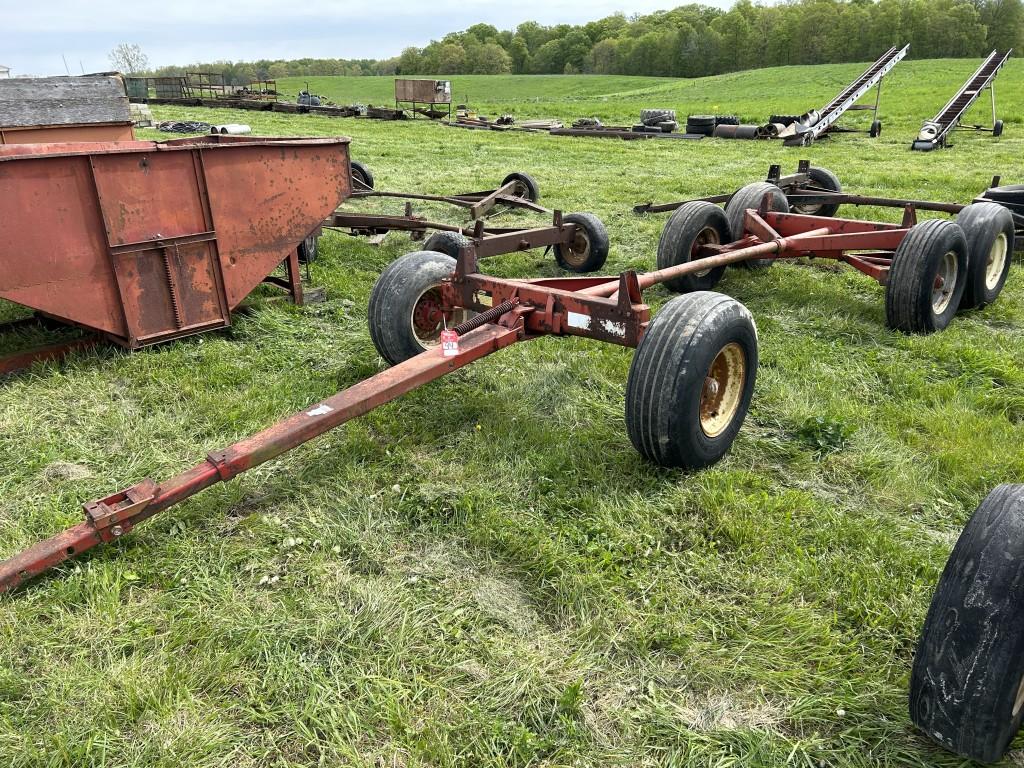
[(485, 572)]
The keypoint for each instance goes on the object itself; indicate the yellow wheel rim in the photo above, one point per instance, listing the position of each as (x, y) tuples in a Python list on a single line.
[(723, 389)]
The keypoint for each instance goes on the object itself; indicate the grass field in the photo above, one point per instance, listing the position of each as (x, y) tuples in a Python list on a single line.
[(485, 572)]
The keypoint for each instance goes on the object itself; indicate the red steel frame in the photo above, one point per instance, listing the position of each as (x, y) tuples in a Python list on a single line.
[(599, 308), (511, 311)]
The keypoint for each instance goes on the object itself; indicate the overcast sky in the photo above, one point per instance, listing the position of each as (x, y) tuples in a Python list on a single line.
[(34, 35)]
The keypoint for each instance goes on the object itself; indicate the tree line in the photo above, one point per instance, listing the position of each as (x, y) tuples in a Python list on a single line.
[(689, 41)]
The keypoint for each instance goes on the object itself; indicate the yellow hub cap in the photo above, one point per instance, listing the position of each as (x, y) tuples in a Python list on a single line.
[(723, 389)]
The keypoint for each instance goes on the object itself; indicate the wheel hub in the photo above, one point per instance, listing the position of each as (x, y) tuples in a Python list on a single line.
[(945, 282), (578, 250), (996, 261), (723, 389), (707, 236)]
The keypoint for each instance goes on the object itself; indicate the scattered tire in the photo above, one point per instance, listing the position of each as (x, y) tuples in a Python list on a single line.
[(691, 380), (822, 178), (405, 313), (309, 249), (691, 227), (727, 120), (1011, 193), (989, 230), (526, 187), (667, 126), (967, 682), (655, 116), (448, 243), (589, 249), (876, 129), (997, 129), (701, 124), (784, 120), (926, 279), (751, 196), (361, 174)]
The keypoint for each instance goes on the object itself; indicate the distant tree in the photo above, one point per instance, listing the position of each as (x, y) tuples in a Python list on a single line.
[(129, 58)]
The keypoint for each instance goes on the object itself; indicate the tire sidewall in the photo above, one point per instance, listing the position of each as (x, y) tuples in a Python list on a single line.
[(675, 246), (982, 224)]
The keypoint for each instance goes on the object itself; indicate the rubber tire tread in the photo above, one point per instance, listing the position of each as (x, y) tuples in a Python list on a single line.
[(393, 298), (982, 223), (448, 243), (908, 304), (970, 655), (683, 227), (599, 243), (750, 196), (663, 391)]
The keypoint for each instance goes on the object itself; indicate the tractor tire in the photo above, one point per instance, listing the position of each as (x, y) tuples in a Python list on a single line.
[(784, 120), (309, 249), (751, 196), (405, 313), (652, 117), (927, 278), (526, 186), (703, 125), (727, 120), (822, 178), (967, 682), (589, 249), (448, 243), (362, 175), (691, 380), (989, 230), (690, 227), (997, 129)]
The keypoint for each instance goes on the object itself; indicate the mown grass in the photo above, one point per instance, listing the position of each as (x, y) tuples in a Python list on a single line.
[(485, 572)]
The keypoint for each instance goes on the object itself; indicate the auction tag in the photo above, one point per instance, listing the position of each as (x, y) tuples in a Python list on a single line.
[(449, 343)]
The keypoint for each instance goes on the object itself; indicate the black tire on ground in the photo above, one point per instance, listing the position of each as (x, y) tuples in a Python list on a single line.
[(309, 249), (1011, 193), (448, 243), (589, 250), (362, 174), (751, 196), (783, 119), (989, 230), (701, 119), (997, 129), (824, 179), (667, 126), (526, 186), (405, 311), (655, 116), (691, 226), (926, 279), (876, 129), (967, 681), (727, 120), (691, 380)]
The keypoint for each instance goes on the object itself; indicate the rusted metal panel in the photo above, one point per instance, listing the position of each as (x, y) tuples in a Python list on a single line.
[(147, 241), (423, 91), (49, 134)]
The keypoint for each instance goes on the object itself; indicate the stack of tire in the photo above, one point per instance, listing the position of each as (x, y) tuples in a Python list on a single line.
[(656, 121), (712, 125)]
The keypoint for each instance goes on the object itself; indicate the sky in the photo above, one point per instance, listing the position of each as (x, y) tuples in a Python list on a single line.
[(33, 36)]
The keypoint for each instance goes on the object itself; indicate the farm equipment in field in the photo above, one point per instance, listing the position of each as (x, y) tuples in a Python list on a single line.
[(579, 240), (806, 129), (141, 242), (935, 132), (930, 269), (967, 682), (687, 394)]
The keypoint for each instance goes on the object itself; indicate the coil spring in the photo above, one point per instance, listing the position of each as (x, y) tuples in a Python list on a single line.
[(489, 316)]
